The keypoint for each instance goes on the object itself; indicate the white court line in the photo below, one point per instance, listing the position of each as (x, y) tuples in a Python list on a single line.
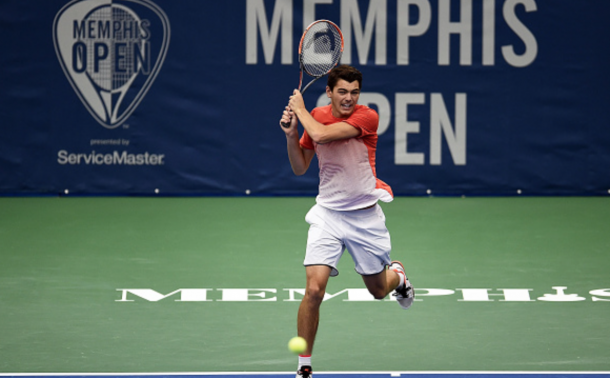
[(391, 373)]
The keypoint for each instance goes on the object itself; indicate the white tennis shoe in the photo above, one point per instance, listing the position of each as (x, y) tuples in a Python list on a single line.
[(304, 372), (404, 293)]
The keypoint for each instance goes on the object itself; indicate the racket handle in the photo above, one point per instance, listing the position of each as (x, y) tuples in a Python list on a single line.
[(287, 125)]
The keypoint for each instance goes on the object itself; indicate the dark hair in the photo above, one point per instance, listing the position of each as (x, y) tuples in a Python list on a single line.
[(345, 72)]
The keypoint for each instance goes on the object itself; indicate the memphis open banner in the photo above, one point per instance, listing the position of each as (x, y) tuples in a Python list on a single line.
[(145, 97)]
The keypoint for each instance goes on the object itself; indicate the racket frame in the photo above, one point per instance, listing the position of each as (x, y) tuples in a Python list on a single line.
[(302, 66)]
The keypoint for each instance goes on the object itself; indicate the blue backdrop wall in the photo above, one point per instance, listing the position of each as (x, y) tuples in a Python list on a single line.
[(184, 96)]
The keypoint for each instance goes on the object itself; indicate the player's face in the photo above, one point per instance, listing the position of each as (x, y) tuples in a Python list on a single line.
[(343, 98)]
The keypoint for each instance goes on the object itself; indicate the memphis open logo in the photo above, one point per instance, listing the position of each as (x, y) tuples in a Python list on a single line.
[(111, 51)]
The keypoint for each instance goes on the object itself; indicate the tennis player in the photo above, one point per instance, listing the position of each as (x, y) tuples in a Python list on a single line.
[(343, 135)]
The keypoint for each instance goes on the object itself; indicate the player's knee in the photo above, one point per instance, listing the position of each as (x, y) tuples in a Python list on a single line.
[(315, 293)]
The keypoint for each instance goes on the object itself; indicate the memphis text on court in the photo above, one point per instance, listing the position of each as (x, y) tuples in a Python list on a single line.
[(554, 294)]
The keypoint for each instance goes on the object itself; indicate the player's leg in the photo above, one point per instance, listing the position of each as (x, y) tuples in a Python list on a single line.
[(368, 241), (324, 249), (392, 279), (309, 310), (382, 284)]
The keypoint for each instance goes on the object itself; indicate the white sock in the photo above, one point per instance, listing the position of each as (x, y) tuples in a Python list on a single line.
[(304, 361), (403, 279)]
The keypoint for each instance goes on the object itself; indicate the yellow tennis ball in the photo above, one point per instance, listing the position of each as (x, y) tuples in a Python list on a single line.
[(297, 345)]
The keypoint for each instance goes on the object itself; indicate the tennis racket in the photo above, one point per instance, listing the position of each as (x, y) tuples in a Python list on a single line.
[(319, 51)]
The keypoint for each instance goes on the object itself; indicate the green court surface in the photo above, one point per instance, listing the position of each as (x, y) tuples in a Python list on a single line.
[(115, 284)]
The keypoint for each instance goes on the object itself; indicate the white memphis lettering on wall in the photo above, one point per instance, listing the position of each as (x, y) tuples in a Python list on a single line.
[(362, 24), (105, 50), (558, 294), (365, 26)]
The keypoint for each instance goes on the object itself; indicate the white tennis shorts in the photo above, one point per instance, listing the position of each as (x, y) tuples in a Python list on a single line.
[(362, 232)]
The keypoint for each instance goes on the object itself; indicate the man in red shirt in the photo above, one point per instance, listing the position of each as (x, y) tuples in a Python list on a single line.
[(343, 135)]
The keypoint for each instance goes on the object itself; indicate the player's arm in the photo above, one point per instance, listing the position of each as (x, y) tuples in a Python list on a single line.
[(299, 157), (318, 132)]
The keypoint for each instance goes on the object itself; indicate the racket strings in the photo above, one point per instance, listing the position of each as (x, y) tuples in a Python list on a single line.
[(321, 49)]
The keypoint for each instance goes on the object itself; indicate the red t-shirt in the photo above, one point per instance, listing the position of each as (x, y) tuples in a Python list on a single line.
[(348, 180)]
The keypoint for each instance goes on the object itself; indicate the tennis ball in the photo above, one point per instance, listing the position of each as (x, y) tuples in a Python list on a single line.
[(297, 345)]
